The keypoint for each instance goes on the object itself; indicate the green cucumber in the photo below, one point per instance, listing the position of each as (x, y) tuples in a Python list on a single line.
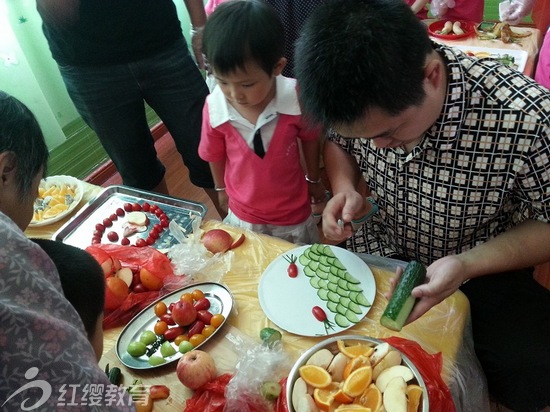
[(314, 281), (332, 287), (359, 298), (328, 251), (401, 302), (352, 317), (323, 294), (309, 272), (332, 306), (341, 321), (304, 260)]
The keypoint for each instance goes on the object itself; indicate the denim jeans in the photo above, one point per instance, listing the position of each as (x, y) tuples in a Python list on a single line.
[(111, 98)]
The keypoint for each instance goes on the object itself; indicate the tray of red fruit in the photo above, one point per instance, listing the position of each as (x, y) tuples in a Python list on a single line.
[(129, 217)]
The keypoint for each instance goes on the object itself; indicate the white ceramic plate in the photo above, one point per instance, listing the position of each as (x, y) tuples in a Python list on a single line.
[(59, 181), (220, 299), (288, 302), (520, 56)]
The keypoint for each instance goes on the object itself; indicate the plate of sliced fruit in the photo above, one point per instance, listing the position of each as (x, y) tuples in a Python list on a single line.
[(58, 196), (173, 325), (316, 290)]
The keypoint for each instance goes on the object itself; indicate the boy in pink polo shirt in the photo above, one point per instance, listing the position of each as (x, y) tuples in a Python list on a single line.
[(253, 127)]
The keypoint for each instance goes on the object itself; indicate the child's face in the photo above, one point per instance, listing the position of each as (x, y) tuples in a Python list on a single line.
[(251, 88)]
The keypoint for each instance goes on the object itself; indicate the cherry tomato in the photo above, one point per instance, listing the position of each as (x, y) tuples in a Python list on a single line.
[(136, 207), (141, 242), (164, 222), (180, 338), (160, 309), (140, 288), (150, 241), (208, 330), (187, 297), (202, 304), (195, 329), (319, 313), (113, 217), (204, 316), (146, 207), (197, 294), (160, 327), (292, 269), (153, 208), (125, 241), (217, 320), (159, 392), (173, 333), (167, 317), (107, 222), (112, 236), (197, 339), (127, 207), (100, 228), (120, 212)]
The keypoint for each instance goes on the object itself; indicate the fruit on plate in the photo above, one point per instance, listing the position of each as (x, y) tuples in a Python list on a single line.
[(184, 313), (195, 368)]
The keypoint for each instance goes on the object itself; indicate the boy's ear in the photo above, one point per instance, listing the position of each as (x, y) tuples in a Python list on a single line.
[(434, 73), (7, 168), (279, 66)]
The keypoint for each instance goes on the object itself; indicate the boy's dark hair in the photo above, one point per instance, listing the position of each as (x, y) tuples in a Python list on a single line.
[(21, 135), (354, 55), (81, 277), (242, 30)]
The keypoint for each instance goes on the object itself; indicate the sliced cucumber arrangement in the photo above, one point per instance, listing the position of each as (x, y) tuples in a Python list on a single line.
[(335, 285)]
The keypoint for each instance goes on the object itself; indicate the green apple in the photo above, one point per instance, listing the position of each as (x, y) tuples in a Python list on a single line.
[(185, 346)]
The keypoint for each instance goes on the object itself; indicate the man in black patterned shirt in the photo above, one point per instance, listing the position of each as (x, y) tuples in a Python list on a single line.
[(456, 152)]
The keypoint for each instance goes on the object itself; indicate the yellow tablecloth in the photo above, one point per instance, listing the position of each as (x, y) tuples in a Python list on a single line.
[(445, 328)]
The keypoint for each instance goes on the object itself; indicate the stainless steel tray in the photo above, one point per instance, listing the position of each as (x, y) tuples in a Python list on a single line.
[(79, 230)]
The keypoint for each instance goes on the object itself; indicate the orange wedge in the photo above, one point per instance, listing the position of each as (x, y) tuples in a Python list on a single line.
[(356, 383), (414, 393), (341, 397), (370, 398), (315, 376), (354, 351), (355, 363), (323, 398)]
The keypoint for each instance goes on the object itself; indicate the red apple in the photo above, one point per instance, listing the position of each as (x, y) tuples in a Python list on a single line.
[(238, 242), (126, 275), (217, 240), (116, 290), (184, 313), (195, 368)]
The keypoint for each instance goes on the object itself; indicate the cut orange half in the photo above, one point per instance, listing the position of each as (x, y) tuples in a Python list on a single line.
[(354, 351), (356, 383), (315, 376), (414, 393)]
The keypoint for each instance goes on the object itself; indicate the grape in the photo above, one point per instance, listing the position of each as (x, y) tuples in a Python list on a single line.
[(136, 349), (156, 360), (148, 337)]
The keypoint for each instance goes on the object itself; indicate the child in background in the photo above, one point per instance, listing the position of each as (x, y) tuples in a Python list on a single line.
[(419, 8), (252, 126), (83, 285)]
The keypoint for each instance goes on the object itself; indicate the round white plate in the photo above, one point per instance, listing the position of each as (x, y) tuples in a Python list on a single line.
[(60, 180), (220, 299), (288, 302)]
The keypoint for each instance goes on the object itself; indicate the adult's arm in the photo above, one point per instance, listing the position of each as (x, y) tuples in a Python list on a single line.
[(197, 15), (525, 245), (346, 203), (59, 12)]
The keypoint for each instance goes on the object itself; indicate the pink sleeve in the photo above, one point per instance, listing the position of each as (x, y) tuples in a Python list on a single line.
[(212, 144)]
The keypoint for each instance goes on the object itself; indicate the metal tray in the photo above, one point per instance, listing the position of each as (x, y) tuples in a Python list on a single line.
[(79, 230)]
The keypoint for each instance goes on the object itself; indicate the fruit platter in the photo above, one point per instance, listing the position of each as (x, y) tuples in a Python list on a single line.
[(126, 216), (316, 290), (174, 325), (344, 373), (58, 196)]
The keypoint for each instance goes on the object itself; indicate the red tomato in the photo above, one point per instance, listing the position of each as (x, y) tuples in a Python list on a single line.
[(319, 313), (159, 392), (205, 316), (107, 222), (202, 304), (120, 212), (146, 207), (140, 288), (196, 328), (136, 207), (100, 228), (128, 207), (167, 317), (173, 333), (141, 242), (125, 241)]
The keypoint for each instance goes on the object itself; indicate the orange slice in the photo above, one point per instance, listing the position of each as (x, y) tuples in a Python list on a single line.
[(371, 398), (315, 376), (414, 393), (355, 363), (354, 351), (356, 383), (341, 397), (323, 398)]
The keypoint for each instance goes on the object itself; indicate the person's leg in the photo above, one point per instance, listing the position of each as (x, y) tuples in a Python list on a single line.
[(173, 86), (110, 102), (511, 329)]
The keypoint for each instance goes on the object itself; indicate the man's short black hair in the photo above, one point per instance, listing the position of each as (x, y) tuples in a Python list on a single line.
[(242, 30), (354, 55)]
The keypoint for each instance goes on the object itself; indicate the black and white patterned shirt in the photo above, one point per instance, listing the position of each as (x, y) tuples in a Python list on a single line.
[(482, 168)]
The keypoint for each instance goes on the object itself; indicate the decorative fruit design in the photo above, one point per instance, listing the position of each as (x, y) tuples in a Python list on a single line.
[(136, 221)]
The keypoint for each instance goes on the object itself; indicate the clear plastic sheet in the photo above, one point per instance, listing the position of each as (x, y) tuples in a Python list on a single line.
[(445, 328)]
